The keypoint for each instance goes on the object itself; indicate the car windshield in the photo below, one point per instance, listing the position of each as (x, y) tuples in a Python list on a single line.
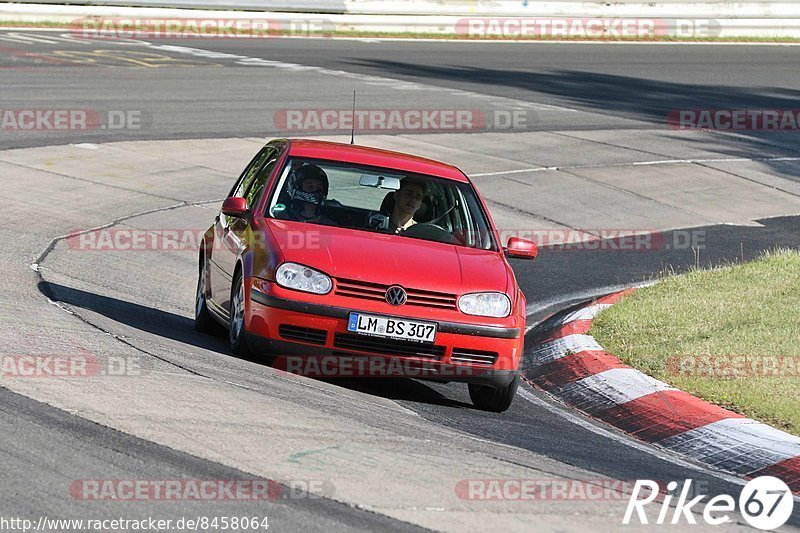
[(380, 200)]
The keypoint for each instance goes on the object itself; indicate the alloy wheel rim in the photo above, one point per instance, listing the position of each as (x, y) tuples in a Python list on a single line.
[(200, 299), (238, 312)]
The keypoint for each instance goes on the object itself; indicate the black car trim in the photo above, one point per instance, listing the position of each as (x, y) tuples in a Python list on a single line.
[(344, 313)]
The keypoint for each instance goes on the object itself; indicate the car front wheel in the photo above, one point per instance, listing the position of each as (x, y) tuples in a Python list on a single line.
[(491, 399), (237, 334), (203, 321)]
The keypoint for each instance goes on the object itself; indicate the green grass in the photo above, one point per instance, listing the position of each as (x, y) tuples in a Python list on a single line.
[(706, 316), (461, 37)]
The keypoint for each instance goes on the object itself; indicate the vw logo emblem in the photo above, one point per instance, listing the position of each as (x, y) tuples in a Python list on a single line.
[(396, 295)]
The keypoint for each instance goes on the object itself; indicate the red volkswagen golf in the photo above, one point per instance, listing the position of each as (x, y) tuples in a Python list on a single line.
[(334, 252)]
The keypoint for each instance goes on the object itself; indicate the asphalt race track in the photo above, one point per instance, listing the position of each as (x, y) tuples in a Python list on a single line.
[(590, 150)]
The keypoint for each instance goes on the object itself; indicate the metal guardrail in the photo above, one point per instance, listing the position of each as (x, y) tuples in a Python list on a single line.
[(519, 8), (296, 6)]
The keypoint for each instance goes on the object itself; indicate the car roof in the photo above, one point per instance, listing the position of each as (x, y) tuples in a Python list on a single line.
[(376, 157)]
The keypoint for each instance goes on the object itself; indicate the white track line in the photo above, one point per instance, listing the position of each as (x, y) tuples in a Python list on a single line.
[(520, 171), (642, 163), (366, 78)]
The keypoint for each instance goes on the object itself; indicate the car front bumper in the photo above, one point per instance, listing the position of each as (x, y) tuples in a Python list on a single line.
[(312, 339)]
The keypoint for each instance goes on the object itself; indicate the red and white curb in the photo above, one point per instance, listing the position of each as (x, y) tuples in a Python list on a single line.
[(573, 367)]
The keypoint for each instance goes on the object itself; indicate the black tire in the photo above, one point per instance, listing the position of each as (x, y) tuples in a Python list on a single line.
[(237, 334), (491, 399), (203, 321)]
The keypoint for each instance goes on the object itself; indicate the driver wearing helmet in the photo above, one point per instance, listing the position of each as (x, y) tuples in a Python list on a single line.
[(308, 190)]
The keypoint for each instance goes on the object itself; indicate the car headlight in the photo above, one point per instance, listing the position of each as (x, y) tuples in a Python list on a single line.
[(494, 304), (302, 278)]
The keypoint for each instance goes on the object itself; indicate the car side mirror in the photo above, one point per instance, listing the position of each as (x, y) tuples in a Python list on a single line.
[(521, 248), (234, 207)]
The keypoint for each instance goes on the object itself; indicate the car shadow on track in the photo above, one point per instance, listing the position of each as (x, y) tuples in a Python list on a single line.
[(148, 319), (404, 389), (181, 329)]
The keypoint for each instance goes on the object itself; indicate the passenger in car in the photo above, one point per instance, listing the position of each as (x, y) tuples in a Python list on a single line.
[(307, 189), (407, 201)]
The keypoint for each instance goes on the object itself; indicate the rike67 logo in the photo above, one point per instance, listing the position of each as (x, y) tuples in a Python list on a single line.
[(765, 503)]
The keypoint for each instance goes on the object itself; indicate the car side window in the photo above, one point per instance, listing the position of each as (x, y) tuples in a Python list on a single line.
[(251, 172), (481, 231), (253, 194)]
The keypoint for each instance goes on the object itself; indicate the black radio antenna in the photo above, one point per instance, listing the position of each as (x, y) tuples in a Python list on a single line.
[(353, 125)]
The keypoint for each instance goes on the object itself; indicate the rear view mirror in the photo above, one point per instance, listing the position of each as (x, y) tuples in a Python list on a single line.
[(379, 182), (521, 248), (234, 207)]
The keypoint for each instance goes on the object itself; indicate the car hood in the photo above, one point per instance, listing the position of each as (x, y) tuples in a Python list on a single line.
[(391, 259)]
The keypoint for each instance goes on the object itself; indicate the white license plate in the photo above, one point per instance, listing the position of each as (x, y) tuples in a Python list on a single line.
[(392, 328)]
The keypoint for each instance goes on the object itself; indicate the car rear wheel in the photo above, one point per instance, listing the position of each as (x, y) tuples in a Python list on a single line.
[(203, 321), (492, 399), (237, 334)]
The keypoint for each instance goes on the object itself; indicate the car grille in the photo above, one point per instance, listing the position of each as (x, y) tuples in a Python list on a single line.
[(297, 333), (473, 357), (352, 341), (377, 291)]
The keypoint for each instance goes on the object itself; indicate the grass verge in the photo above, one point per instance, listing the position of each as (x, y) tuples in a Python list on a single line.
[(730, 335)]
